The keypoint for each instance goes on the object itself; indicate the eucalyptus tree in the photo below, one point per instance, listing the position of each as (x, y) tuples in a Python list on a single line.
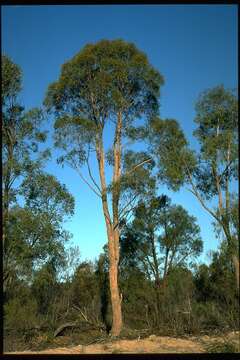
[(107, 83), (21, 135), (160, 238), (208, 174), (36, 235)]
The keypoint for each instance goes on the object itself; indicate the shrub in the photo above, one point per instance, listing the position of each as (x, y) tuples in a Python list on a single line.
[(222, 347), (20, 314)]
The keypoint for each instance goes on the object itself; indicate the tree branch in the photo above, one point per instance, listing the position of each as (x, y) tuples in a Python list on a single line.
[(89, 185), (184, 257), (198, 196), (90, 174), (135, 167), (129, 203), (151, 266), (126, 213), (225, 170)]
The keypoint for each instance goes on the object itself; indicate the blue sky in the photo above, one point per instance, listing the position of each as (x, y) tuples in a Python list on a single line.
[(193, 46)]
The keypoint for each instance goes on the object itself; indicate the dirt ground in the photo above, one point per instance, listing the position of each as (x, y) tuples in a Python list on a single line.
[(152, 344)]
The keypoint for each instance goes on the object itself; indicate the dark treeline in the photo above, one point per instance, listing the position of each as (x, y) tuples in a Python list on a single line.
[(148, 278)]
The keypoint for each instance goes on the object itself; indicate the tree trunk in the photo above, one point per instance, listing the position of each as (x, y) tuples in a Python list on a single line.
[(236, 266), (113, 280), (113, 239), (113, 251)]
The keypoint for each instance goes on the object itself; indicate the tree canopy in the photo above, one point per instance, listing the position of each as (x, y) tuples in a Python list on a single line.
[(161, 236), (209, 173)]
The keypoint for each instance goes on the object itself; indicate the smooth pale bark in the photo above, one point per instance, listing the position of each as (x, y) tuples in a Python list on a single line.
[(114, 249), (114, 289)]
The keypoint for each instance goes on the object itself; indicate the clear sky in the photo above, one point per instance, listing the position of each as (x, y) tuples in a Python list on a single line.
[(193, 46)]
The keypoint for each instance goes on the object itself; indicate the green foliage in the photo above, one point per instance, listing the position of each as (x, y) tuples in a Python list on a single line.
[(84, 285), (210, 173), (32, 232), (112, 73), (208, 316), (43, 192), (21, 130), (21, 134), (101, 81), (231, 218), (136, 179), (159, 243), (138, 298), (182, 234), (217, 117), (44, 287), (176, 232), (191, 302), (35, 231), (85, 295), (180, 287), (20, 312), (216, 297), (101, 273), (11, 79), (177, 300), (173, 157)]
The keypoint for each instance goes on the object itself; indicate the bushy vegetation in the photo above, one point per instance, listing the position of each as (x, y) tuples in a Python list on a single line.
[(192, 303)]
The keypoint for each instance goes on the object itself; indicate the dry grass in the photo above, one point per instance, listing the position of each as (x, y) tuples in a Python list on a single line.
[(153, 344)]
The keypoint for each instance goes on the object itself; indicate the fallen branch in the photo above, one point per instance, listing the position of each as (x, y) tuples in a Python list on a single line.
[(76, 324), (61, 328)]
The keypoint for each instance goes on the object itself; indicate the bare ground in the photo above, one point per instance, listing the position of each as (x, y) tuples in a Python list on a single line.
[(152, 344)]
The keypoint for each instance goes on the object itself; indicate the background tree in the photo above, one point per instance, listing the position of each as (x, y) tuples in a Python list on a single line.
[(35, 205), (36, 236), (210, 173), (21, 135), (44, 286), (161, 237), (108, 83)]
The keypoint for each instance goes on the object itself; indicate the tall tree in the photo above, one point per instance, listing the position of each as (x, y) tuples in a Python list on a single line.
[(210, 173), (110, 83), (21, 134)]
